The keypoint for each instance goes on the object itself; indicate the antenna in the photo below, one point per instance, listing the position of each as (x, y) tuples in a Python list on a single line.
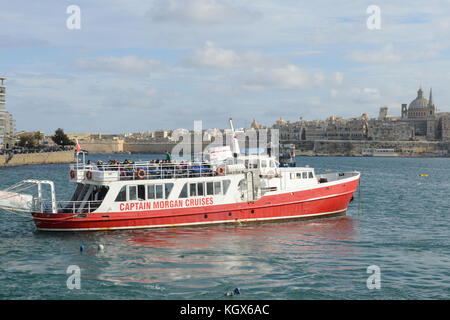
[(236, 149), (231, 124)]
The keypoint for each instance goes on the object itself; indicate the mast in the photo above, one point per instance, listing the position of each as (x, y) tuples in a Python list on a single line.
[(235, 144)]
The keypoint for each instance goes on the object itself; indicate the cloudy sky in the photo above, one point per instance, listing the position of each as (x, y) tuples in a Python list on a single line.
[(146, 65)]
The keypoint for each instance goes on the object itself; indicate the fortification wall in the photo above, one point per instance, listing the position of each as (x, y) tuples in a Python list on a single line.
[(103, 146), (354, 148), (37, 158)]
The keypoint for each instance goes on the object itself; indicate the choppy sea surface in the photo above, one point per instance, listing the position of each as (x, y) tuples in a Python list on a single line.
[(402, 227)]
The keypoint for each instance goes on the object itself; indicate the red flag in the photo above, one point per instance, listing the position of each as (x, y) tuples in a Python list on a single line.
[(78, 147)]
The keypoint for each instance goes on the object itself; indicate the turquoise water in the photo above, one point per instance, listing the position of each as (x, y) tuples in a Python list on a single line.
[(402, 227)]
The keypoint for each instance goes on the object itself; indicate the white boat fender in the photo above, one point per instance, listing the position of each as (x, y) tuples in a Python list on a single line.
[(101, 247)]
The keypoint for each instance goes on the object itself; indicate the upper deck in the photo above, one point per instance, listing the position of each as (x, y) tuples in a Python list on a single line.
[(146, 170)]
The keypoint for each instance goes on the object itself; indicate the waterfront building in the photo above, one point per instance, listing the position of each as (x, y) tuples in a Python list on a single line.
[(255, 125), (7, 124), (421, 114), (419, 121), (160, 135)]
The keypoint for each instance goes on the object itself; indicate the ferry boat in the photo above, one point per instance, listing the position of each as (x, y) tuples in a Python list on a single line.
[(371, 152), (226, 187)]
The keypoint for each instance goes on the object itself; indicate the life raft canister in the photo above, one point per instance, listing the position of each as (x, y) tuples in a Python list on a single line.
[(89, 175), (141, 173), (72, 174), (220, 171)]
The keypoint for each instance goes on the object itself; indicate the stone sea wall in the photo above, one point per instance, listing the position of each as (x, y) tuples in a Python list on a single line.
[(354, 148), (37, 158)]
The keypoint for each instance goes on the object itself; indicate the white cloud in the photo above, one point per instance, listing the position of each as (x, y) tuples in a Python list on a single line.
[(200, 12), (286, 77), (338, 78), (257, 71), (211, 56), (364, 95), (334, 93), (125, 65), (385, 54)]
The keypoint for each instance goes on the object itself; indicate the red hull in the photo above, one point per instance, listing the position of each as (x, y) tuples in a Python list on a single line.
[(317, 202)]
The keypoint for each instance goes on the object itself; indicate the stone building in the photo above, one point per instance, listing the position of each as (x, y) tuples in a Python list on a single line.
[(333, 128), (347, 129), (255, 125), (421, 114), (7, 123), (418, 121), (424, 120)]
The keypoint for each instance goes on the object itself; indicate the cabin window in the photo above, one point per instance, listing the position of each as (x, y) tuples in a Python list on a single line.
[(200, 191), (122, 196), (168, 188), (299, 175), (151, 191), (217, 189), (159, 191), (132, 193), (310, 175), (226, 184), (292, 175), (210, 188), (192, 189), (183, 193), (141, 192), (305, 175), (263, 164), (251, 164)]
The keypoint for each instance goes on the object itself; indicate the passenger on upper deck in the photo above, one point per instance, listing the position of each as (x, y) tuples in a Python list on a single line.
[(90, 165), (168, 156)]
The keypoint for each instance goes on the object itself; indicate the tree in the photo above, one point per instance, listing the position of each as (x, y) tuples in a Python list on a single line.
[(61, 139), (38, 136), (27, 140)]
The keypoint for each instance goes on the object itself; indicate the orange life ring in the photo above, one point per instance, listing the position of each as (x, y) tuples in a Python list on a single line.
[(89, 175), (220, 171), (72, 174), (141, 173)]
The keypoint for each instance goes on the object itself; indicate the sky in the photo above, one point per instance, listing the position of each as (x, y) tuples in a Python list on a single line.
[(134, 66)]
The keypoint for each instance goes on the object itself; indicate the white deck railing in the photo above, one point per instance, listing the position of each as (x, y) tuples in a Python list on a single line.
[(143, 171)]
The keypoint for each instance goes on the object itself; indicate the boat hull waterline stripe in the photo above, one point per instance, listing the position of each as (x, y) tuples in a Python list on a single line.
[(303, 216)]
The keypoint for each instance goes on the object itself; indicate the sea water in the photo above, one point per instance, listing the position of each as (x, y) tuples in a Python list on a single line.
[(397, 246)]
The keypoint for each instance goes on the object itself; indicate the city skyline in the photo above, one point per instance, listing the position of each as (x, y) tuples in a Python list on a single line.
[(164, 64)]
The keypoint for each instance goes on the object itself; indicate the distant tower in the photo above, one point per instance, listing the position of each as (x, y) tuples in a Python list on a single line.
[(404, 110), (2, 94), (431, 121), (255, 124), (420, 93), (431, 103), (3, 114), (383, 113)]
